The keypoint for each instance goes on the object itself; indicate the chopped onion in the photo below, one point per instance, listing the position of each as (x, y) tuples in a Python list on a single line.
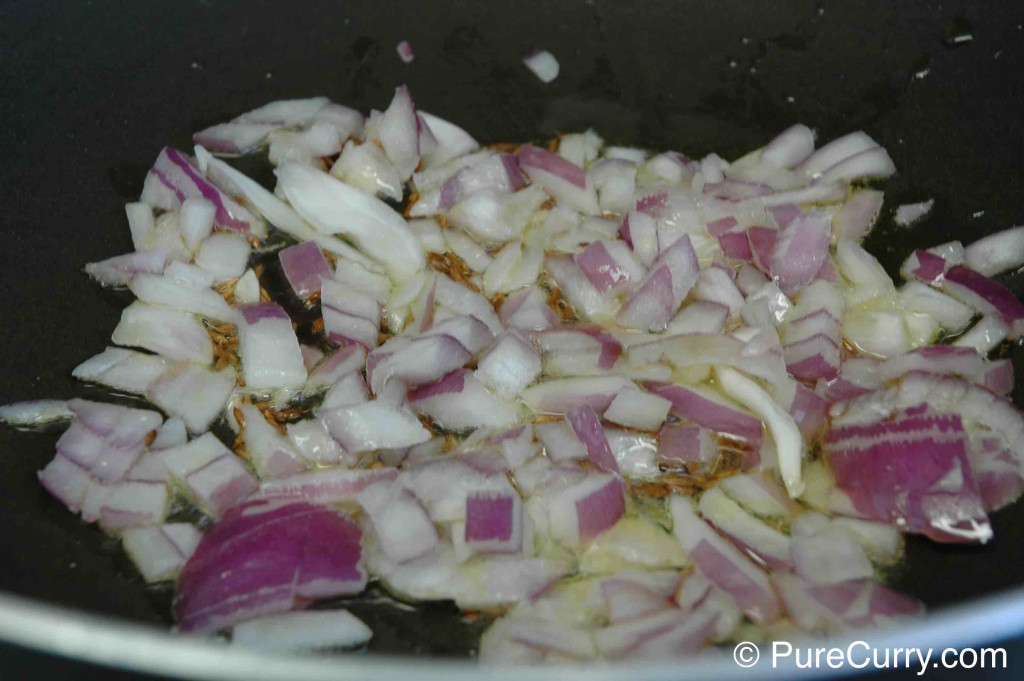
[(997, 253), (405, 52), (543, 64), (333, 207), (159, 552), (302, 631), (264, 556), (910, 213)]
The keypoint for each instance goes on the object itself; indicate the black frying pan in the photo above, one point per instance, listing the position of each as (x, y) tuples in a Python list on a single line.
[(91, 91)]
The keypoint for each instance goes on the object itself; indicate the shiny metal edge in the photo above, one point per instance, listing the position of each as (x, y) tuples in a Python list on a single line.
[(127, 645)]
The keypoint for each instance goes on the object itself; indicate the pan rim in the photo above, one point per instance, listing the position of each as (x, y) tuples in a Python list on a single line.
[(110, 642)]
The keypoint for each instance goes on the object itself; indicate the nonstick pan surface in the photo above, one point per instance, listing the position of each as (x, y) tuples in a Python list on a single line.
[(91, 91)]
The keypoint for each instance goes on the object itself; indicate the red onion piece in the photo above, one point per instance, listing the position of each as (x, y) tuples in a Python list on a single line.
[(303, 264), (468, 330), (608, 265), (134, 504), (586, 509), (195, 394), (799, 251), (638, 409), (119, 270), (934, 475), (341, 362), (264, 556), (790, 147), (173, 334), (736, 245), (313, 442), (986, 295), (422, 360), (762, 246), (405, 52), (234, 138), (872, 163), (305, 146), (997, 253), (210, 473), (588, 429), (65, 480), (836, 151), (701, 407), (785, 434), (160, 552), (766, 544), (724, 565), (496, 172), (374, 425), (808, 410), (399, 133), (301, 631), (400, 524), (269, 451), (760, 494), (848, 605), (576, 288), (857, 215), (813, 358), (459, 401), (663, 289), (831, 556), (509, 365), (562, 395), (452, 141), (464, 301), (494, 522), (329, 486), (699, 317), (997, 376), (269, 349), (287, 112), (172, 292), (626, 599), (624, 638), (582, 338), (543, 64), (332, 207), (565, 180), (527, 309), (178, 172), (688, 445), (36, 412), (996, 466)]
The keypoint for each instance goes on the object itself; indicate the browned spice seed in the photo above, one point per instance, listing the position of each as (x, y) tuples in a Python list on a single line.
[(497, 300), (413, 198), (454, 266), (318, 325), (150, 437), (226, 289), (225, 345), (449, 443), (332, 258), (557, 303), (428, 423)]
